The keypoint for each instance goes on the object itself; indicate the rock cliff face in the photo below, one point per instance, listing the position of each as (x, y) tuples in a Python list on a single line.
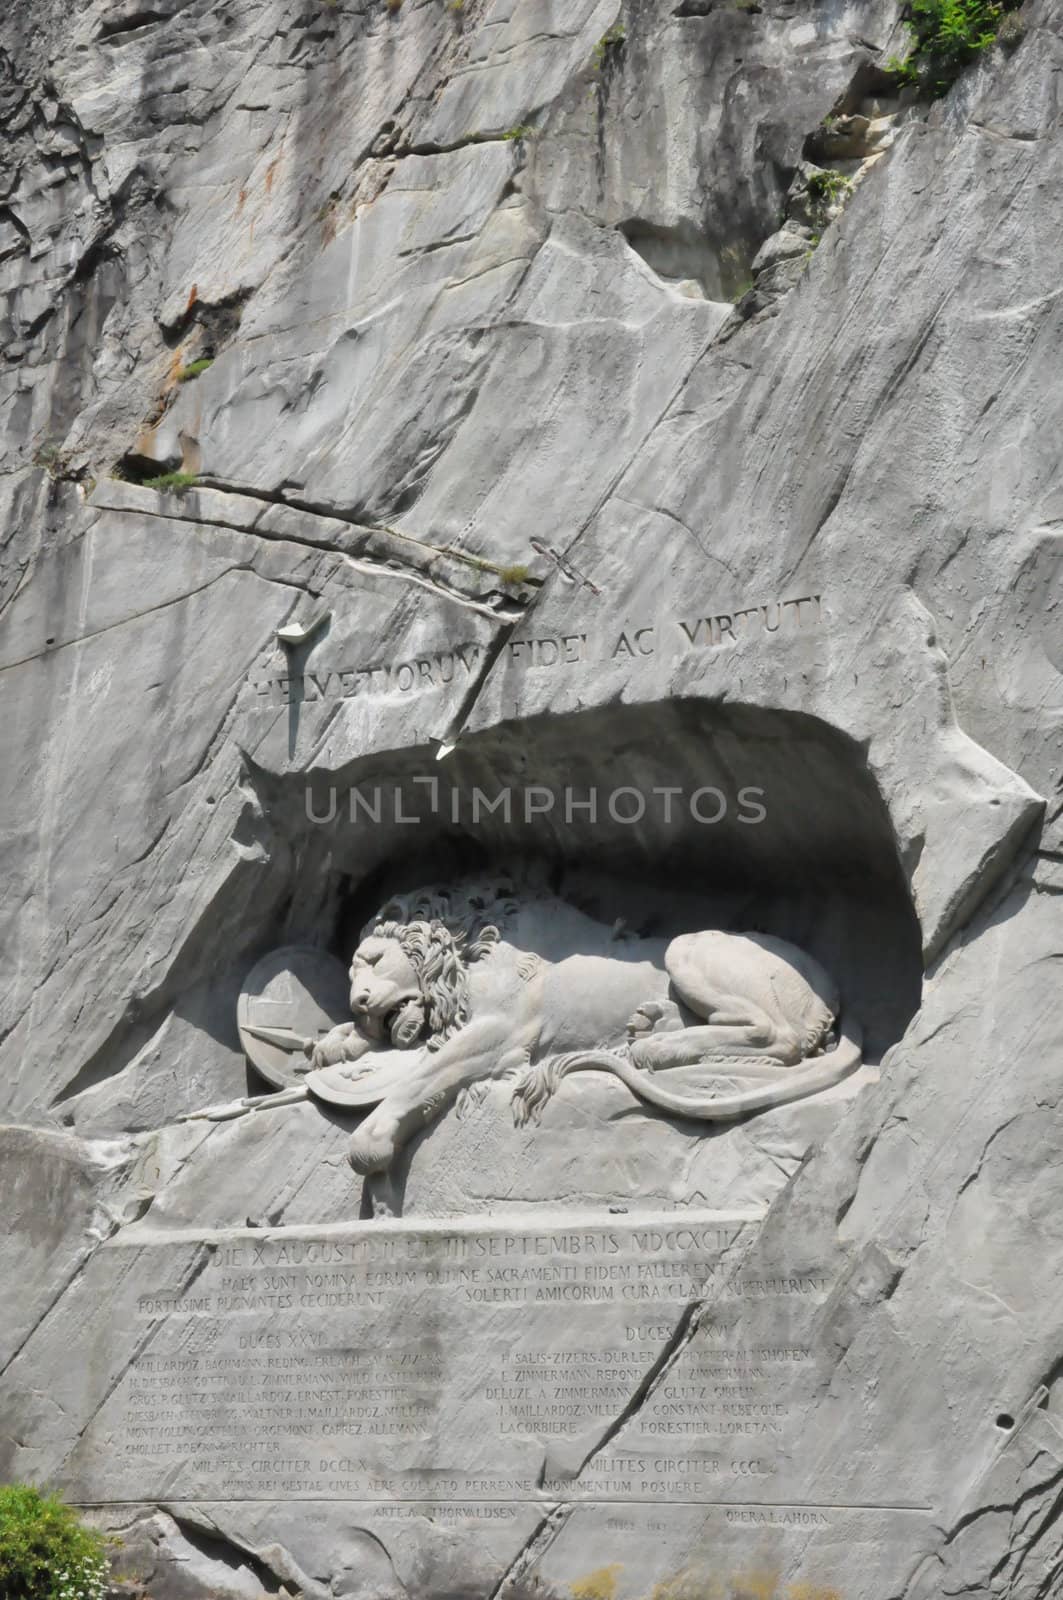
[(539, 417)]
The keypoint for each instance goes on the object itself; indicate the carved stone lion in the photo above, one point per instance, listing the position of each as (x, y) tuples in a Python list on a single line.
[(450, 989)]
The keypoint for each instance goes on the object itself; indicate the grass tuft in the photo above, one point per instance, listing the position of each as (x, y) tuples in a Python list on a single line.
[(55, 462), (177, 481), (194, 368), (610, 44)]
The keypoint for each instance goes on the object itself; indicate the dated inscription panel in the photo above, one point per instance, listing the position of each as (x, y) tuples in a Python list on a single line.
[(626, 1383), (357, 1363)]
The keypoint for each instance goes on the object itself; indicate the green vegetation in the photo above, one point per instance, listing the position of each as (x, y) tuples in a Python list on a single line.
[(56, 462), (947, 35), (610, 43), (45, 1552), (171, 480), (905, 74), (514, 574), (194, 368), (828, 186), (523, 130), (826, 189)]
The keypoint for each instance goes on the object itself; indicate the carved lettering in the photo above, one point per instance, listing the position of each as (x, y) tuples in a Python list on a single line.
[(270, 1371), (727, 628), (640, 641)]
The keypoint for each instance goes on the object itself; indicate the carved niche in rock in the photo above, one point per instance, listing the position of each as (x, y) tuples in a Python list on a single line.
[(451, 988)]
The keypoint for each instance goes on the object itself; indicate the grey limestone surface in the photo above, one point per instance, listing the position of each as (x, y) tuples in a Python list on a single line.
[(594, 458)]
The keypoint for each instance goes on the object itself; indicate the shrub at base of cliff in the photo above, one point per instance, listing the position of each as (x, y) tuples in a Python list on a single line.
[(45, 1552), (947, 35)]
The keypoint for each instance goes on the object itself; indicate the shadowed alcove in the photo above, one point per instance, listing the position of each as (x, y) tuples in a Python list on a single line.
[(656, 819)]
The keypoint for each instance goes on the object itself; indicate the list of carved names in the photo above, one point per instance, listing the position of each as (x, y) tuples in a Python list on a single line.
[(346, 1365)]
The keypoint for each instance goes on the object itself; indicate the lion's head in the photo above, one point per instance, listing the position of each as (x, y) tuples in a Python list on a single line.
[(409, 979)]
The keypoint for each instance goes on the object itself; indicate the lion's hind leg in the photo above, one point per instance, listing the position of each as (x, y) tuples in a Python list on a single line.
[(703, 972), (729, 1033), (734, 1024), (706, 971)]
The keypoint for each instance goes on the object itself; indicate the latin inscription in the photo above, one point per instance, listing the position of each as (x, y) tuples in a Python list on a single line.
[(343, 1365), (677, 636)]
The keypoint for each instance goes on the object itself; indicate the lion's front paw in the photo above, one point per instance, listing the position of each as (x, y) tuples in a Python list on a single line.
[(331, 1050), (372, 1147)]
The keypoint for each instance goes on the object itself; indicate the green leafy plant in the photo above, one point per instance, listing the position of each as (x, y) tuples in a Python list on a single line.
[(523, 130), (904, 73), (171, 480), (947, 35), (610, 42), (46, 1553), (194, 368), (828, 186)]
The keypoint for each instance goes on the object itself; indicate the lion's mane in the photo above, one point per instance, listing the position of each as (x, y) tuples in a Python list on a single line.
[(441, 932)]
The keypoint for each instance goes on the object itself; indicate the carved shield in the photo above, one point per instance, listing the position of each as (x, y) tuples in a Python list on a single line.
[(292, 995)]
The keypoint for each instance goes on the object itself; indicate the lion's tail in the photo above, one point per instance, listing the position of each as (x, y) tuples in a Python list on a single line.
[(541, 1082)]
